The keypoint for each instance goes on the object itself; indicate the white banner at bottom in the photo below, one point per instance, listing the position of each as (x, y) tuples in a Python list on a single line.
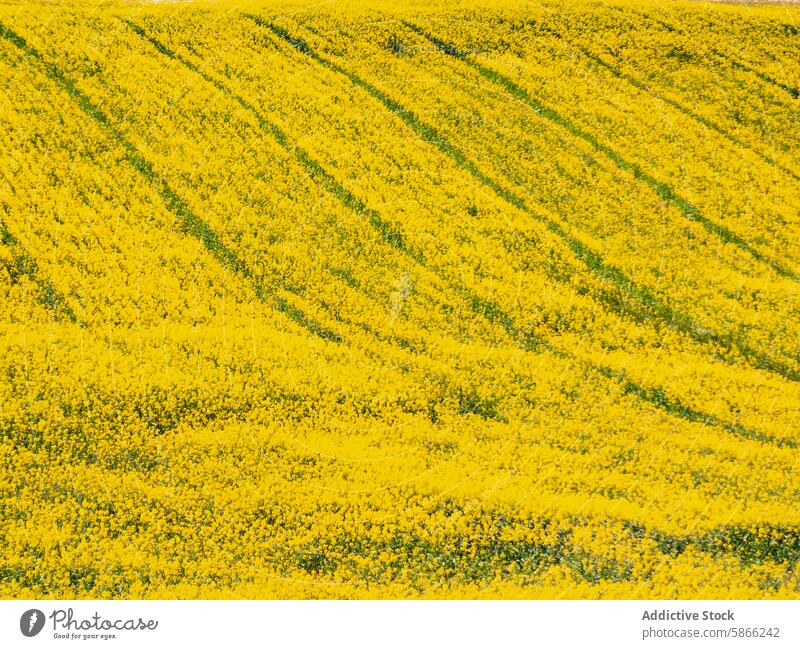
[(399, 624)]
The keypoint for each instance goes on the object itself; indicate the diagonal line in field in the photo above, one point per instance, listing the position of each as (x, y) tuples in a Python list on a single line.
[(662, 189), (793, 92), (644, 87), (591, 259), (658, 398), (704, 121), (192, 223), (24, 264)]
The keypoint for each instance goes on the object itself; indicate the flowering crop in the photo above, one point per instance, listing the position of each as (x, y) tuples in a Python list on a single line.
[(381, 300)]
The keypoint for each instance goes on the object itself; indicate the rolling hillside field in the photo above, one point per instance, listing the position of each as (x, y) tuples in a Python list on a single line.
[(398, 299)]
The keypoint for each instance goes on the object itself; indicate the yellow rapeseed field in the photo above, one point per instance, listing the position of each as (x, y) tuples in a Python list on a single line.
[(396, 299)]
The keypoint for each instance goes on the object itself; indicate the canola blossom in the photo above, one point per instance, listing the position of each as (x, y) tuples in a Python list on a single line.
[(398, 300)]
